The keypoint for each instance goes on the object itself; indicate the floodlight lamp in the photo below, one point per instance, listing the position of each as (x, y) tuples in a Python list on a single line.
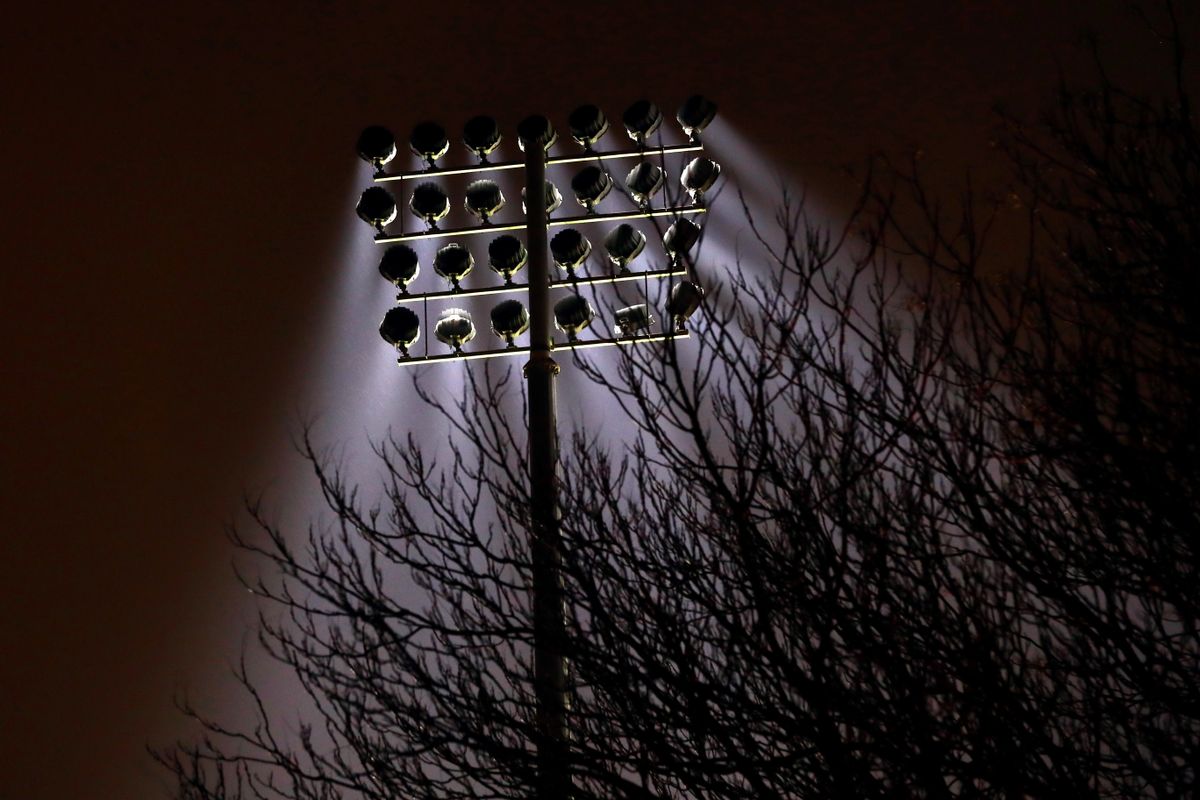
[(684, 300), (507, 256), (641, 121), (400, 266), (624, 243), (698, 177), (644, 181), (591, 185), (376, 146), (430, 203), (553, 198), (401, 327), (570, 248), (536, 130), (484, 198), (428, 140), (376, 207), (455, 328), (695, 115), (453, 262), (572, 314), (632, 319), (680, 238), (481, 135), (509, 320), (588, 125)]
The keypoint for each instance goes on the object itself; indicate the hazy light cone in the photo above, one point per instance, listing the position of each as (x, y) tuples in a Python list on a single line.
[(454, 327), (400, 327), (553, 198), (591, 185), (644, 181), (536, 130), (481, 135), (696, 114), (569, 248), (572, 314), (428, 140), (624, 243), (587, 124), (429, 202), (509, 320), (641, 120), (632, 319), (376, 206), (699, 176), (507, 255), (484, 198), (399, 265), (376, 145), (453, 262), (684, 300), (681, 237)]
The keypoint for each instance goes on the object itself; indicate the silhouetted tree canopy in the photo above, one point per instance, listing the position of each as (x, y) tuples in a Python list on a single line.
[(895, 524)]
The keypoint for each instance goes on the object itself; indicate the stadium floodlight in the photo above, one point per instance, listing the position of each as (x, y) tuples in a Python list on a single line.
[(572, 314), (680, 238), (570, 248), (481, 135), (509, 320), (684, 300), (698, 177), (484, 198), (632, 319), (376, 207), (695, 115), (453, 262), (588, 125), (644, 181), (507, 256), (624, 243), (536, 130), (430, 203), (376, 146), (401, 327), (400, 266), (641, 121), (428, 140), (591, 185), (455, 328), (553, 198)]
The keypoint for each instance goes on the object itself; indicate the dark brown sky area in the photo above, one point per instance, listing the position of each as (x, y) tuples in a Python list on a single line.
[(176, 189)]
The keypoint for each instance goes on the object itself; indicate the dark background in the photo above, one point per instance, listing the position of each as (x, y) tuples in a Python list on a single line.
[(178, 184)]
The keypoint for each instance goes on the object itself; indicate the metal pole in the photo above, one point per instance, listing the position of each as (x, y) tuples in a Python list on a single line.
[(549, 627)]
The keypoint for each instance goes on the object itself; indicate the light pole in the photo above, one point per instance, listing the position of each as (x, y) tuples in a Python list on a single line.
[(401, 326)]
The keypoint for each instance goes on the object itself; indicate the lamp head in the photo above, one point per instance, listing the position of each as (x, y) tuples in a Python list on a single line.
[(400, 266), (401, 327), (377, 146), (507, 256), (455, 328), (428, 140), (376, 207)]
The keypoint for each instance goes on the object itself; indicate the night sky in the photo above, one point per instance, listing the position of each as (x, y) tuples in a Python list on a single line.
[(179, 183)]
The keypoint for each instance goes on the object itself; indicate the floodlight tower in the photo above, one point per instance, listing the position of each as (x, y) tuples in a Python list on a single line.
[(571, 314)]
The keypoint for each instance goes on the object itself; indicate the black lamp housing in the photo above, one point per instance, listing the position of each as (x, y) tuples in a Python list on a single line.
[(377, 146), (401, 328), (400, 266), (376, 207), (507, 256)]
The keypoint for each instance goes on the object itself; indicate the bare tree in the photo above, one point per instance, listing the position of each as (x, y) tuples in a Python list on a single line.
[(889, 526)]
